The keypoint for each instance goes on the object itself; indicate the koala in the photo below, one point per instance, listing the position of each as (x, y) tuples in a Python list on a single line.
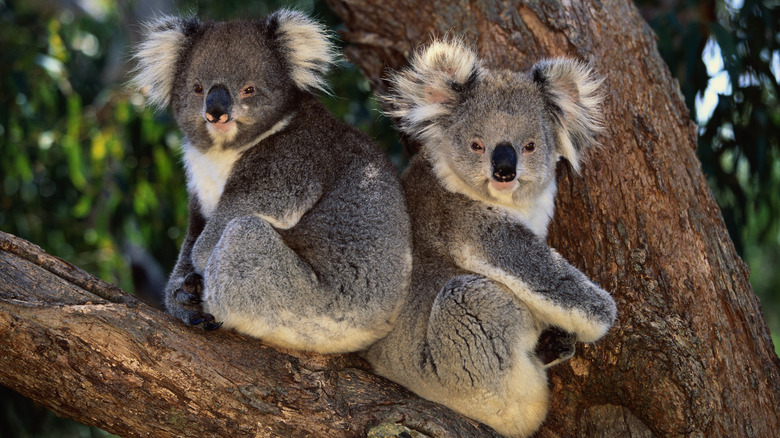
[(298, 229), (491, 306)]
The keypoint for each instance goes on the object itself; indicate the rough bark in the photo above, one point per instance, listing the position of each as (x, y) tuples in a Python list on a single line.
[(88, 351), (690, 354)]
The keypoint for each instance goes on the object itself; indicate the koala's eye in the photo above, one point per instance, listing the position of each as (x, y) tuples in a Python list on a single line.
[(529, 147), (248, 91), (197, 88), (477, 147)]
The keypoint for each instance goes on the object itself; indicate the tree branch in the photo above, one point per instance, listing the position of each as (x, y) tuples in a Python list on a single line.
[(89, 351)]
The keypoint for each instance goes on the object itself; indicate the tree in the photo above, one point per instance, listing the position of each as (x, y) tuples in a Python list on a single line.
[(690, 353)]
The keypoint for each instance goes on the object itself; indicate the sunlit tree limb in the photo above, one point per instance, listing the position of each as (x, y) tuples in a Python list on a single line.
[(88, 351)]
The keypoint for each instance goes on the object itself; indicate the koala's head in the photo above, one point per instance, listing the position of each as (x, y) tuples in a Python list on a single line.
[(230, 83), (496, 135)]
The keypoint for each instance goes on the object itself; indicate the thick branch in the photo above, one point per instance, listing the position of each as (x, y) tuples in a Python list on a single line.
[(90, 352)]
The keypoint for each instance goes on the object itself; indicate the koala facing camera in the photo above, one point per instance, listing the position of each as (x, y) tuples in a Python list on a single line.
[(491, 306), (298, 229)]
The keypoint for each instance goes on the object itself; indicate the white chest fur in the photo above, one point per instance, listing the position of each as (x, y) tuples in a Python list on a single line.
[(207, 174), (537, 216)]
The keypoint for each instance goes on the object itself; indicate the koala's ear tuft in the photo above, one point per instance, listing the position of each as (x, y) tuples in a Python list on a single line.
[(306, 46), (436, 79), (572, 93), (157, 56)]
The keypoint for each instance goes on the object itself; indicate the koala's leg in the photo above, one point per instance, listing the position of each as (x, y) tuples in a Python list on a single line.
[(478, 356), (256, 284)]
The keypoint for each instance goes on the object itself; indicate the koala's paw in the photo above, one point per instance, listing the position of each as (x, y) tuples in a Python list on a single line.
[(188, 305), (555, 345)]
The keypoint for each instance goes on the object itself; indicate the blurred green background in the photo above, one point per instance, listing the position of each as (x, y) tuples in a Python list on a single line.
[(93, 177)]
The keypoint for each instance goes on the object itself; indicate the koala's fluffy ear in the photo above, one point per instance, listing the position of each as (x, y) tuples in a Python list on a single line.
[(571, 91), (164, 41), (307, 47), (431, 86)]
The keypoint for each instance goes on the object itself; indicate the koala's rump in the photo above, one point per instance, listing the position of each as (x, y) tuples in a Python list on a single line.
[(356, 235)]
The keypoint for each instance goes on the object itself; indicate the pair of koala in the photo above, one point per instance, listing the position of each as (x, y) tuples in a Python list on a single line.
[(299, 232)]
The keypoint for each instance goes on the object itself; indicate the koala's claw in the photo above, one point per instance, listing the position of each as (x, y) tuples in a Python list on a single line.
[(193, 283), (183, 297), (189, 297), (555, 346), (212, 325), (197, 320), (208, 321), (205, 320), (191, 291)]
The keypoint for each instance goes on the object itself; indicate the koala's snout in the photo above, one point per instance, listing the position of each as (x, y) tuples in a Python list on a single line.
[(504, 162), (218, 105)]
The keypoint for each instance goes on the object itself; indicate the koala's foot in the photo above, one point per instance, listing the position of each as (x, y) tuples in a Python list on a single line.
[(555, 345), (188, 300)]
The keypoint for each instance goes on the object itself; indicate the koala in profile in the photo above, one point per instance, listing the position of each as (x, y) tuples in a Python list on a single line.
[(491, 305), (298, 231)]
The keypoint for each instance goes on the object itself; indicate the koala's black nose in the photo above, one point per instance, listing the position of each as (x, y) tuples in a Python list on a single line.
[(504, 161), (218, 104)]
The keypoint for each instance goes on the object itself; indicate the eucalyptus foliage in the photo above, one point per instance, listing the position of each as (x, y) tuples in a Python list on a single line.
[(86, 169)]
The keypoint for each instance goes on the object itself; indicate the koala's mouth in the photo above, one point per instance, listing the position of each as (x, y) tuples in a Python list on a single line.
[(221, 127), (222, 130), (499, 186)]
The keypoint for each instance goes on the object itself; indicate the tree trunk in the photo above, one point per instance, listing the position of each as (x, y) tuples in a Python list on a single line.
[(691, 353), (90, 352)]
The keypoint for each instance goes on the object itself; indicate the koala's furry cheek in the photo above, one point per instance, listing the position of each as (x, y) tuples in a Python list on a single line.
[(193, 126)]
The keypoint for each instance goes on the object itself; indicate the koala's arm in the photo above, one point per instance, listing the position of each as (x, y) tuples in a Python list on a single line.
[(557, 292), (182, 293), (184, 265), (281, 206)]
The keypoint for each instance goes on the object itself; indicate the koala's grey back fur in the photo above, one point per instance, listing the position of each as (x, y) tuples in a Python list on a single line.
[(491, 305), (334, 280), (298, 230)]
